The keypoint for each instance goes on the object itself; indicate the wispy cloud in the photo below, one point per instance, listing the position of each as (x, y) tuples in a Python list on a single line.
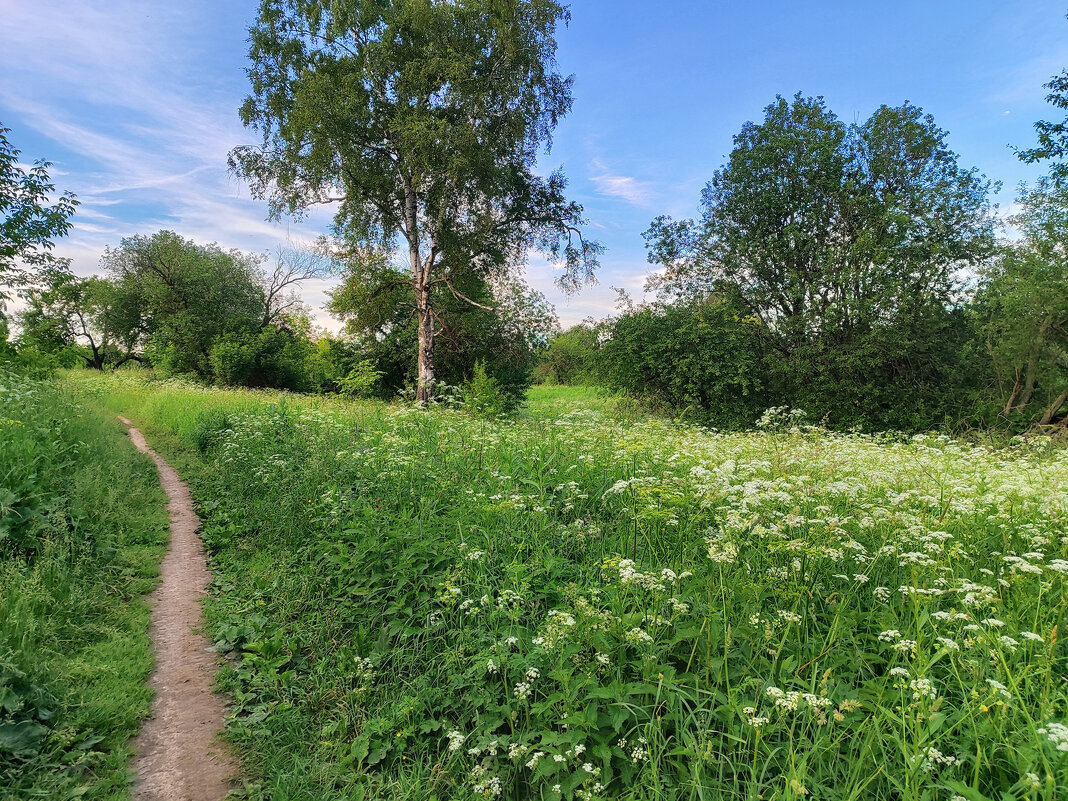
[(628, 188), (147, 114)]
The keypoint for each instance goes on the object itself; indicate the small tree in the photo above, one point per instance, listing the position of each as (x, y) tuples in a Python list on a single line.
[(423, 121), (90, 316), (28, 223), (1024, 308), (846, 243)]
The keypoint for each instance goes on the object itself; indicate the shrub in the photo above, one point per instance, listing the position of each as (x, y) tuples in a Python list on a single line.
[(485, 396), (362, 381)]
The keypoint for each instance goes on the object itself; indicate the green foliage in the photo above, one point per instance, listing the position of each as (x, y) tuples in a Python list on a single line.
[(570, 358), (843, 243), (484, 396), (28, 220), (90, 319), (1023, 310), (274, 356), (705, 356), (416, 609), (83, 525), (362, 381), (1052, 136), (507, 337)]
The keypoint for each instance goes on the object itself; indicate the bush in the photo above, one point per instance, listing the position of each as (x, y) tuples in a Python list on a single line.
[(485, 396), (362, 381), (704, 357)]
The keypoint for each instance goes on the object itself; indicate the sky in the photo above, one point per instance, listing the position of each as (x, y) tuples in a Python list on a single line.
[(135, 104)]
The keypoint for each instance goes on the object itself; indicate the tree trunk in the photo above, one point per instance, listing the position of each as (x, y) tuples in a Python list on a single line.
[(1053, 408), (1032, 365), (1012, 397), (425, 380)]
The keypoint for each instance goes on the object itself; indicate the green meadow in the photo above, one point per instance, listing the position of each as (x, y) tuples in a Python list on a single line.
[(587, 602)]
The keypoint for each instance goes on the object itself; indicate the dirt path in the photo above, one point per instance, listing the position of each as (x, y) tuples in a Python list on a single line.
[(179, 756)]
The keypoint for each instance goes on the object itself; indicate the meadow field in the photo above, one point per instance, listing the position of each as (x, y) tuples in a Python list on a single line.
[(587, 603)]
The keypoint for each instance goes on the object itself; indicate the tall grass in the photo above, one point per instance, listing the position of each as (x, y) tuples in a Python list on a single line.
[(83, 526), (581, 605)]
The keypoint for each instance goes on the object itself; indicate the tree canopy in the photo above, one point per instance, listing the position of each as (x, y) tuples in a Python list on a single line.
[(845, 242)]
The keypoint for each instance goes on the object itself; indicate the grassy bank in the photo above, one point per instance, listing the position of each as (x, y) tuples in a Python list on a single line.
[(422, 605), (83, 526)]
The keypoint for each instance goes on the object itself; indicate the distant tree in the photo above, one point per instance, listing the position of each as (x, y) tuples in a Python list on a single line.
[(570, 357), (844, 241), (28, 221), (506, 329), (1023, 306), (209, 311), (89, 316), (423, 121)]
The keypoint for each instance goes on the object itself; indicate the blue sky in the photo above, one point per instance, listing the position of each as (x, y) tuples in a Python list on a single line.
[(135, 102)]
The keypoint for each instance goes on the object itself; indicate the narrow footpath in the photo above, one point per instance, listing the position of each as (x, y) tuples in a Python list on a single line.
[(179, 756)]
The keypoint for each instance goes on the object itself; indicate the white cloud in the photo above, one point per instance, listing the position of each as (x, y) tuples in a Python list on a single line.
[(117, 85), (635, 192)]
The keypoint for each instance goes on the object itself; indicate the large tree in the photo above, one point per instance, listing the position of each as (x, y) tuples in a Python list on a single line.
[(827, 227), (192, 296), (845, 241), (29, 221), (423, 121)]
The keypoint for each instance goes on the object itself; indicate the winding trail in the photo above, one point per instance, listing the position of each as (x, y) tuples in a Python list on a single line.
[(179, 756)]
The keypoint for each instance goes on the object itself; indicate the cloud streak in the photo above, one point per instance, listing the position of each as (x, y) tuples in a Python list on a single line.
[(625, 187), (135, 101)]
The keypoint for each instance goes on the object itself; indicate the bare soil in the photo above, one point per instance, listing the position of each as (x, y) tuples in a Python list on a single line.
[(179, 756)]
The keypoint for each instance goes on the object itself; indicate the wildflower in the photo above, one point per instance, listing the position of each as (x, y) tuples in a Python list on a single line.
[(522, 690), (1001, 688), (491, 666), (455, 740), (637, 636), (933, 759), (1056, 734), (922, 688), (1030, 635)]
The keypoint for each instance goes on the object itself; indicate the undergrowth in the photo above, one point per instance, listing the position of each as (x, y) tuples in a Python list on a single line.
[(83, 526)]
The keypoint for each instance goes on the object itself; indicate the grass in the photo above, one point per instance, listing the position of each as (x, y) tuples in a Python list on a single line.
[(587, 604), (83, 526)]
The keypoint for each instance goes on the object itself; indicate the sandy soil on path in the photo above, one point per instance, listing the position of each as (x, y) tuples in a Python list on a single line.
[(179, 756)]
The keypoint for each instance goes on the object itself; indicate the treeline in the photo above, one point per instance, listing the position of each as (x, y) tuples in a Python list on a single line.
[(226, 317), (853, 271)]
